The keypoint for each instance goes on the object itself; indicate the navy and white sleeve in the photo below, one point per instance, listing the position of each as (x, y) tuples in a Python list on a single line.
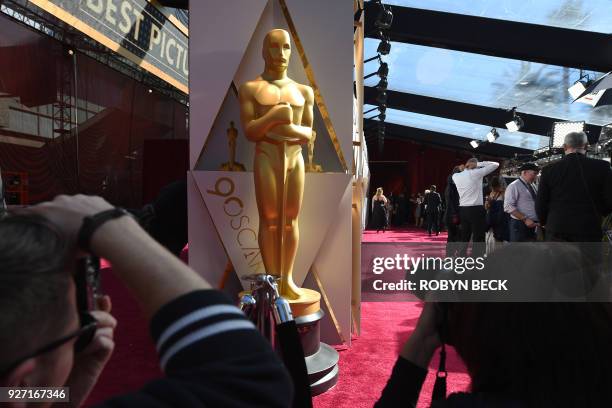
[(212, 356)]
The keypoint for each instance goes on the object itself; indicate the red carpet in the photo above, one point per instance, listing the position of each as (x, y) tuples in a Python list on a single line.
[(364, 368), (403, 234)]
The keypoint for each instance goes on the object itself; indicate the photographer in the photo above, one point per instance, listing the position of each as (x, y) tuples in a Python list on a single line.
[(518, 354), (211, 354)]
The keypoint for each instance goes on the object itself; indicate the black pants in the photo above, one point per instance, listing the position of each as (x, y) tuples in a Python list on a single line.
[(473, 225), (432, 221), (454, 237), (519, 232)]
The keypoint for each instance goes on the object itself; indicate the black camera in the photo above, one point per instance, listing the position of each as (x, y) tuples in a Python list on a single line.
[(88, 283)]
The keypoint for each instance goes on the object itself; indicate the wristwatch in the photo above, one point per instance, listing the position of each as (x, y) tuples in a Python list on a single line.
[(92, 222)]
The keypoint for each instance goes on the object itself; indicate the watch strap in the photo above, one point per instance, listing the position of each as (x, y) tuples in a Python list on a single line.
[(92, 222)]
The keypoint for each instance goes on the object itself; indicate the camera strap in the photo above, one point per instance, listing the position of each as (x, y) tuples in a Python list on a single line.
[(439, 389)]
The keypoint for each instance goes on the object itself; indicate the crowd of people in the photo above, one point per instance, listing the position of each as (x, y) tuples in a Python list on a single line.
[(423, 210), (517, 354), (566, 202)]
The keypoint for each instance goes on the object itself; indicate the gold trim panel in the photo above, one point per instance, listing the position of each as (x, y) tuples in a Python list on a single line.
[(317, 92)]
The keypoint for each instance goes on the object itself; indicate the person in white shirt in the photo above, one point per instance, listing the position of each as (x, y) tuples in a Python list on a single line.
[(471, 204)]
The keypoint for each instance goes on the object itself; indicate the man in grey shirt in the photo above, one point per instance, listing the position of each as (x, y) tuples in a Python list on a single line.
[(519, 202)]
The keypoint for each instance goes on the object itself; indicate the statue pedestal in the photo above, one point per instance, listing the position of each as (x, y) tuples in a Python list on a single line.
[(321, 359)]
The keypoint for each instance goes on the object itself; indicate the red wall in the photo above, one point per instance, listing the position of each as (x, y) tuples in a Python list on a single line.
[(422, 166)]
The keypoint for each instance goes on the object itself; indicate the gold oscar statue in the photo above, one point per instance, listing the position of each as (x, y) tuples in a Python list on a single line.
[(310, 167), (277, 114), (232, 164)]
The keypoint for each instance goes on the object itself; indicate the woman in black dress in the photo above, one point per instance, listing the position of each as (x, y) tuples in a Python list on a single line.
[(379, 210)]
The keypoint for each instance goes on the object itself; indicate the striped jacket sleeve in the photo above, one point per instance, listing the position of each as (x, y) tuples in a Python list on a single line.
[(212, 356)]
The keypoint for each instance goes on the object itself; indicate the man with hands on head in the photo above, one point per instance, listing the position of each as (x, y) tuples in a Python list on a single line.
[(210, 353), (471, 204)]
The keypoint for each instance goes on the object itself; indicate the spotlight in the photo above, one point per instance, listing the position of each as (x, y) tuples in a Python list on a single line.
[(577, 89), (381, 98), (579, 86), (381, 138), (150, 90), (384, 19), (384, 48), (382, 84), (474, 144), (492, 135), (383, 70), (70, 52), (560, 129), (516, 123)]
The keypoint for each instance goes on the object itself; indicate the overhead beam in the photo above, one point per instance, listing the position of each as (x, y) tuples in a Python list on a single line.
[(400, 132), (467, 112), (500, 38)]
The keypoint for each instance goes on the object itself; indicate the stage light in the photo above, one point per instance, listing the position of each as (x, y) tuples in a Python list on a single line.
[(475, 144), (381, 98), (577, 89), (492, 135), (382, 84), (383, 70), (150, 90), (561, 129), (516, 123), (70, 52), (384, 48), (384, 19)]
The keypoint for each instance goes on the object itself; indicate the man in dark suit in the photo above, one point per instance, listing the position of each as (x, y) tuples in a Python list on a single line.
[(432, 206), (451, 215), (575, 194)]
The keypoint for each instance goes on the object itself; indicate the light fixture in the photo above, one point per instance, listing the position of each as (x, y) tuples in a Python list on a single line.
[(580, 85), (150, 90), (382, 84), (561, 129), (384, 19), (474, 144), (383, 70), (381, 137), (381, 98), (384, 48), (492, 135), (516, 123), (577, 89), (70, 52)]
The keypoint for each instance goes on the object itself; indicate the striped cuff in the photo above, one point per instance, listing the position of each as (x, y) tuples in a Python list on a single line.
[(200, 322)]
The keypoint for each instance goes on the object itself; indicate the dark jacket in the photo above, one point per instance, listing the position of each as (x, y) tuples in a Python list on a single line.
[(433, 202), (404, 386), (451, 196), (573, 196)]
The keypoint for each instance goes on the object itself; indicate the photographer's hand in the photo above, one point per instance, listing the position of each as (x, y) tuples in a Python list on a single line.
[(67, 213), (153, 274), (424, 340), (89, 363)]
